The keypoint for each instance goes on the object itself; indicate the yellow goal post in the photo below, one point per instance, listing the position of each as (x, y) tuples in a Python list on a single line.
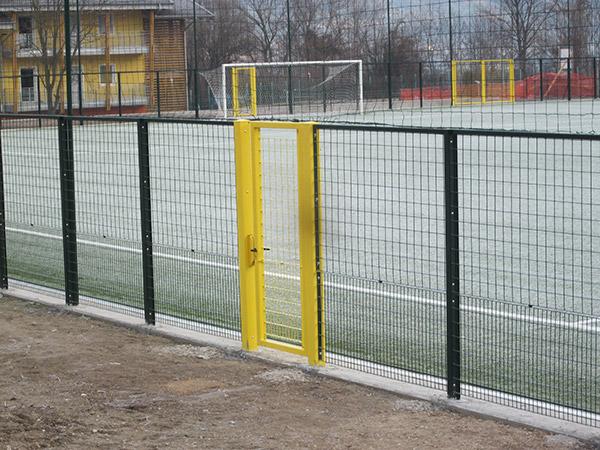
[(483, 81), (243, 80)]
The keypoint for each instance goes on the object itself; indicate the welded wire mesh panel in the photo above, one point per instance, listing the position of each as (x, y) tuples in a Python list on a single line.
[(536, 201), (538, 360), (108, 214), (280, 219), (383, 252), (194, 220), (530, 250), (32, 201)]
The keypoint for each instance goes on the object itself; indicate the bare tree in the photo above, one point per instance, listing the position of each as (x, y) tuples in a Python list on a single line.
[(480, 41), (594, 17), (307, 17), (581, 24), (429, 26), (268, 20), (48, 41), (521, 24), (574, 26), (223, 39), (356, 25)]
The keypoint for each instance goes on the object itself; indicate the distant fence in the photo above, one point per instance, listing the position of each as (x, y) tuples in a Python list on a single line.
[(180, 92), (535, 79), (463, 260), (535, 87)]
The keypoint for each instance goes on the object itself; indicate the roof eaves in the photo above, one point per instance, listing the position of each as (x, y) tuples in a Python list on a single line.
[(184, 9), (98, 5)]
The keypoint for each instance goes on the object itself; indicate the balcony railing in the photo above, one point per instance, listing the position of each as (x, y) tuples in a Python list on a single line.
[(26, 41), (28, 94), (119, 43), (6, 23), (91, 44)]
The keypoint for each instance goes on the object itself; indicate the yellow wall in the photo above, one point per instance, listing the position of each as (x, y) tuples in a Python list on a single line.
[(128, 29), (128, 32)]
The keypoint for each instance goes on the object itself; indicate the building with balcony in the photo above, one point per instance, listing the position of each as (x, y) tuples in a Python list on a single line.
[(126, 54)]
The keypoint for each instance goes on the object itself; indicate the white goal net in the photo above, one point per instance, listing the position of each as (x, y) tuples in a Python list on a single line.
[(307, 88)]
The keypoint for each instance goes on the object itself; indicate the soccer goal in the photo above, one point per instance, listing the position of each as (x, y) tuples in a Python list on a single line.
[(483, 81), (288, 88)]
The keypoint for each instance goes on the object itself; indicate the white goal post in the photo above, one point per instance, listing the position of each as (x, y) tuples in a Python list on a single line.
[(296, 87)]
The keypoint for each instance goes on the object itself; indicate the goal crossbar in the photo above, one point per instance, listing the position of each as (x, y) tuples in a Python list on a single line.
[(296, 63)]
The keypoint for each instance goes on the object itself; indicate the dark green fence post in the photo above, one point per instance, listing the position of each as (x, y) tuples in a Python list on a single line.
[(318, 238), (569, 92), (120, 93), (67, 195), (289, 58), (39, 100), (68, 56), (195, 50), (158, 92), (541, 80), (421, 84), (389, 56), (595, 68), (452, 263), (290, 90), (3, 257), (196, 97), (146, 219), (323, 89)]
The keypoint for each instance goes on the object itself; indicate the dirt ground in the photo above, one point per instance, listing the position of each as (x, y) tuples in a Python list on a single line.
[(68, 381)]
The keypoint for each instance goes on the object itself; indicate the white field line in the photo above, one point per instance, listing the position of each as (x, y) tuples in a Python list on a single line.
[(536, 406), (39, 155), (583, 325), (588, 321), (473, 309), (126, 249)]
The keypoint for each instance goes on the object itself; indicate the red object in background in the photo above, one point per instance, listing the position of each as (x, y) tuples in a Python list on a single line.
[(554, 85)]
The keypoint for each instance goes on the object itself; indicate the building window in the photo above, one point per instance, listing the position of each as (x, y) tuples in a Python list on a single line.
[(25, 32), (28, 85), (102, 24), (108, 76), (25, 25)]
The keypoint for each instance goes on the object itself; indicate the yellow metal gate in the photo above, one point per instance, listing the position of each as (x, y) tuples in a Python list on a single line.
[(278, 228)]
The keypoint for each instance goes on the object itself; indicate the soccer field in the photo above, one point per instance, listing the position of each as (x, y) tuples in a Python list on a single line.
[(530, 253), (576, 116)]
